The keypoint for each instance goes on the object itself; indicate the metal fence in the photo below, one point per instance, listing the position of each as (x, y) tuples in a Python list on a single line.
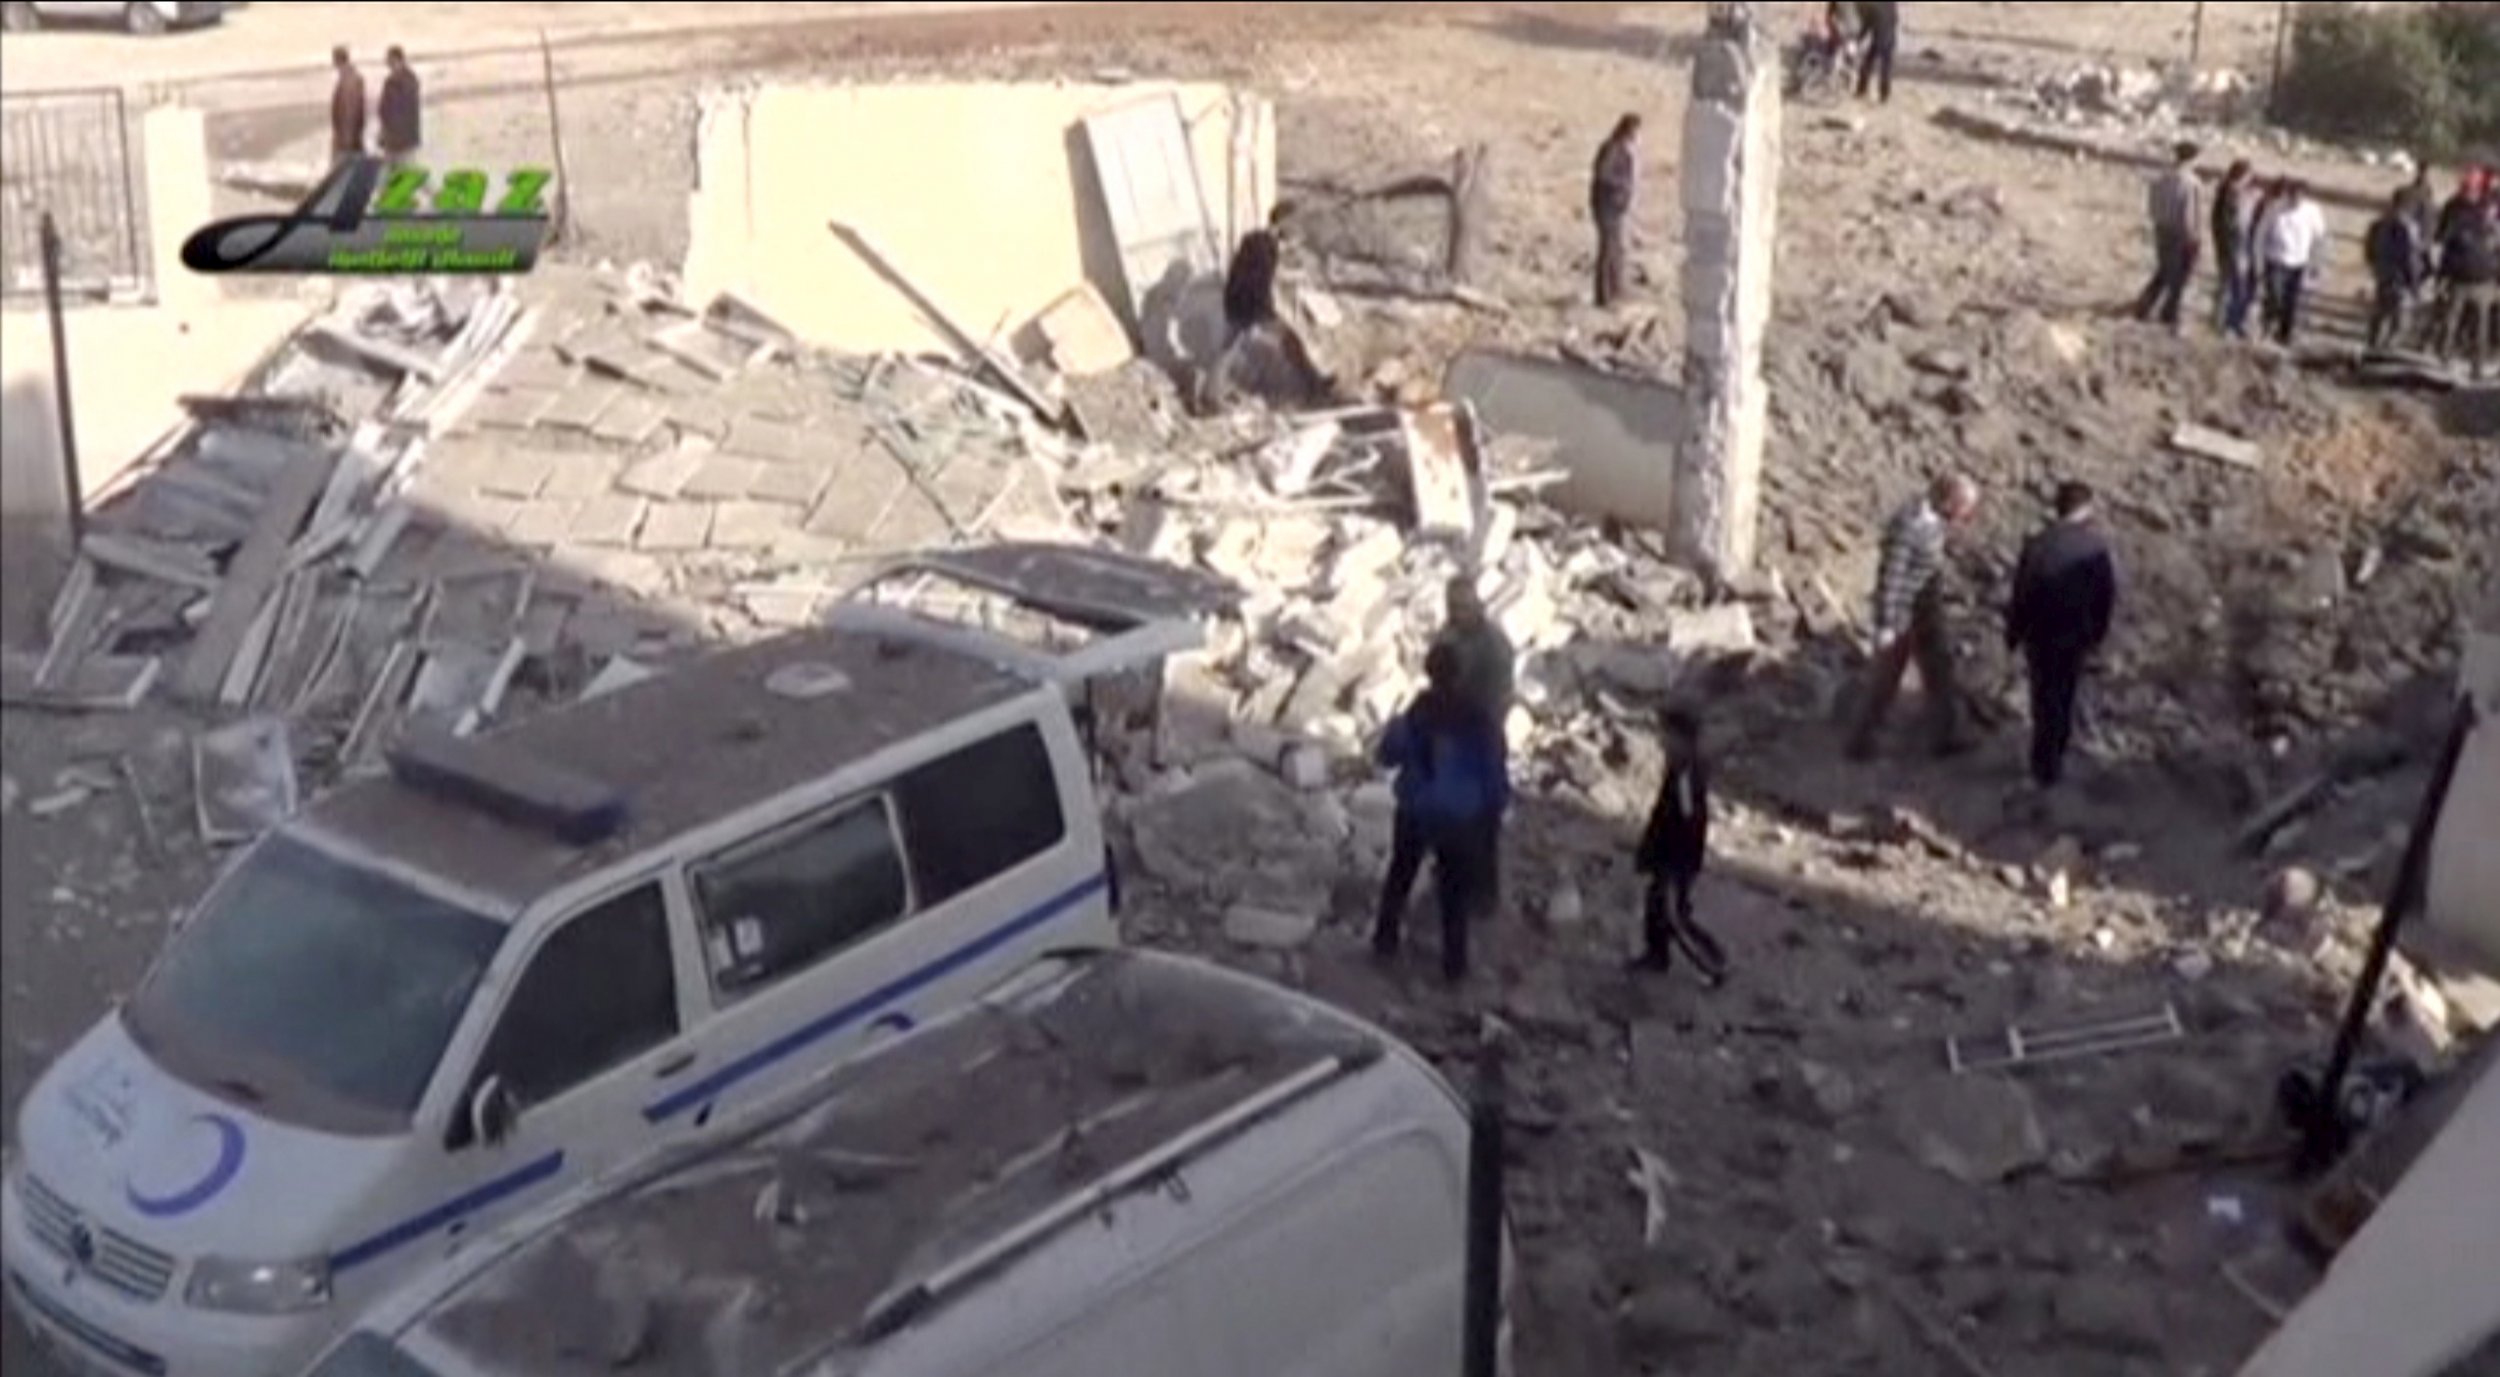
[(73, 154)]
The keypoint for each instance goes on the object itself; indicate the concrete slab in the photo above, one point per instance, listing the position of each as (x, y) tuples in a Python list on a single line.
[(771, 441), (1618, 436), (854, 504), (545, 522), (752, 525), (662, 477), (990, 185), (538, 370), (513, 410), (609, 520), (676, 528), (469, 510), (721, 478), (582, 475), (521, 473), (632, 421), (794, 485), (580, 406)]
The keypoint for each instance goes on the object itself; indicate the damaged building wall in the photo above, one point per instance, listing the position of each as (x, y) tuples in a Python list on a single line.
[(130, 364), (1613, 434), (984, 195)]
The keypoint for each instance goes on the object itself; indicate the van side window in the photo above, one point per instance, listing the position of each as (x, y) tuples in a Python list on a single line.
[(600, 992), (775, 907), (972, 816)]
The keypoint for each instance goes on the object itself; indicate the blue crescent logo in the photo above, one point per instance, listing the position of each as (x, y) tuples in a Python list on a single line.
[(220, 1174)]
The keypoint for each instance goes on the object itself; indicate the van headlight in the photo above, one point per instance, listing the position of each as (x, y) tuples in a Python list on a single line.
[(259, 1288)]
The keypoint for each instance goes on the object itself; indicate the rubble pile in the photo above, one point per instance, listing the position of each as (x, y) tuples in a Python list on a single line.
[(2140, 97)]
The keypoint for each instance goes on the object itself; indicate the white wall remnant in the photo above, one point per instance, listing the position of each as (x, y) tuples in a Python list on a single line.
[(1731, 213)]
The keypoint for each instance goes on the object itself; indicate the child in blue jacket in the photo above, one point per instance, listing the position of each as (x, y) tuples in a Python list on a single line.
[(1453, 787)]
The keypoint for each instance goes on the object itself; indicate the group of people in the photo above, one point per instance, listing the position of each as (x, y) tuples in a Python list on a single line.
[(1450, 748), (1871, 29), (2448, 253), (397, 119), (2269, 238)]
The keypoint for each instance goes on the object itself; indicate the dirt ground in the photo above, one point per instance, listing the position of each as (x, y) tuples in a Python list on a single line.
[(1942, 303)]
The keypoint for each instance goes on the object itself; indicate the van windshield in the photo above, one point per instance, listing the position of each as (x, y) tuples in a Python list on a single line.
[(318, 992)]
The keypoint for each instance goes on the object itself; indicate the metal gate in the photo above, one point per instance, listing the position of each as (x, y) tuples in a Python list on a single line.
[(71, 153)]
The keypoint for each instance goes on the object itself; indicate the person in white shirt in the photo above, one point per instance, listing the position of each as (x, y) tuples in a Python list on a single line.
[(2290, 238)]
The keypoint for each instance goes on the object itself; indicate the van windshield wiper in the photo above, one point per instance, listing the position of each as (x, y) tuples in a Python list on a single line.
[(241, 1089)]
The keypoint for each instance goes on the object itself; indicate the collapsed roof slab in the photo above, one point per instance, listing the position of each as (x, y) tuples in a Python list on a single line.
[(985, 195)]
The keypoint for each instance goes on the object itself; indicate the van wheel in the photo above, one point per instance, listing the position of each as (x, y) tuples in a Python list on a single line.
[(19, 17), (144, 20)]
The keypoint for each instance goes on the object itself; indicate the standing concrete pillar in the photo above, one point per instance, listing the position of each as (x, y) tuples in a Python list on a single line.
[(1731, 215)]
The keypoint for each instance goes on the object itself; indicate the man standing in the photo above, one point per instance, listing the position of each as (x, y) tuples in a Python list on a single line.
[(2176, 203), (2470, 261), (2293, 233), (2235, 286), (1453, 786), (1674, 848), (1910, 619), (2065, 593), (1611, 184), (400, 112), (1485, 674), (1880, 21), (347, 108), (2396, 259), (1250, 280)]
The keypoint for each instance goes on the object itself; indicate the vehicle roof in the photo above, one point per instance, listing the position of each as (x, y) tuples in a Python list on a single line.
[(893, 1168), (685, 749)]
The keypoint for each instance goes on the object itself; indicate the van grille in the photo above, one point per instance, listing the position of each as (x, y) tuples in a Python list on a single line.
[(118, 1260)]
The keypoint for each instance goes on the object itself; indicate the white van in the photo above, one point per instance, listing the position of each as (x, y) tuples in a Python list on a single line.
[(139, 16), (444, 997), (1126, 1164)]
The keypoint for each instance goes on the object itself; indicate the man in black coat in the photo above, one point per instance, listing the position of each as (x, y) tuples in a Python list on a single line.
[(1880, 20), (400, 112), (1611, 183), (1674, 848), (2065, 594)]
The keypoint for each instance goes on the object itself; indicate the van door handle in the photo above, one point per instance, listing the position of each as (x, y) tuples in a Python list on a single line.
[(675, 1066)]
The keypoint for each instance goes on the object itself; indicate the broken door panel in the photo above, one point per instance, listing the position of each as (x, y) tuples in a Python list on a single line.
[(1151, 195)]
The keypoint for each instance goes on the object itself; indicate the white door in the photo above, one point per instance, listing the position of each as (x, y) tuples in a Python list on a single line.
[(1152, 196), (590, 1030)]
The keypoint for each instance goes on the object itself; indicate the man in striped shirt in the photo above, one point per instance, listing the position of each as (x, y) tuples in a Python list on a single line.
[(1909, 617)]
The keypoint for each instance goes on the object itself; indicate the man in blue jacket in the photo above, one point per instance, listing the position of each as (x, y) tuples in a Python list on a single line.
[(1453, 787), (2065, 594)]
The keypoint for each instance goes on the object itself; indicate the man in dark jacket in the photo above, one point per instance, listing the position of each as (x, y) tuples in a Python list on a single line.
[(1880, 21), (1453, 783), (1486, 670), (1611, 183), (1674, 849), (2065, 593), (2470, 262), (2396, 261), (347, 108), (1250, 281), (400, 112), (2235, 286)]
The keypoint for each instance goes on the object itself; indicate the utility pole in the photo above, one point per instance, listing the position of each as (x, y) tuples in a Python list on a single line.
[(73, 494), (2282, 49), (2196, 40)]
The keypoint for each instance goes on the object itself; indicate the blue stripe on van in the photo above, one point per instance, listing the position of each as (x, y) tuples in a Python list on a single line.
[(783, 1048), (450, 1212)]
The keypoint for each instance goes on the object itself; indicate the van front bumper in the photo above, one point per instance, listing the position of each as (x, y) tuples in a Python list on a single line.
[(96, 1332)]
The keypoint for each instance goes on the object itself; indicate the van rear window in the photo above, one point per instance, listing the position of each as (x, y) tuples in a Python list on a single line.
[(972, 816)]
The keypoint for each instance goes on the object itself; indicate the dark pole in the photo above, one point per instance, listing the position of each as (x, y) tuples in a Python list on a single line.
[(561, 230), (1484, 1217), (2196, 39), (2325, 1135), (2282, 47), (74, 498)]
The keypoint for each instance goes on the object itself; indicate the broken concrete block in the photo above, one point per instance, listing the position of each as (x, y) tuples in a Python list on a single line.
[(1980, 1130), (793, 485), (1263, 929), (676, 528), (1566, 910), (1083, 334), (2207, 443), (721, 478), (581, 476), (663, 477), (752, 525), (1722, 632), (246, 780), (518, 474), (608, 520), (771, 442), (543, 523), (1305, 767)]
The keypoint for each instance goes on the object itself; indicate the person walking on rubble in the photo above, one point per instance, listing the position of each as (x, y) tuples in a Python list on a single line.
[(1453, 786), (1674, 848), (1263, 353), (2235, 280), (2472, 190), (2396, 259), (1486, 670), (2470, 261), (1910, 618), (2176, 204), (399, 115), (1880, 22), (2065, 596), (347, 108), (1611, 184), (2291, 236)]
